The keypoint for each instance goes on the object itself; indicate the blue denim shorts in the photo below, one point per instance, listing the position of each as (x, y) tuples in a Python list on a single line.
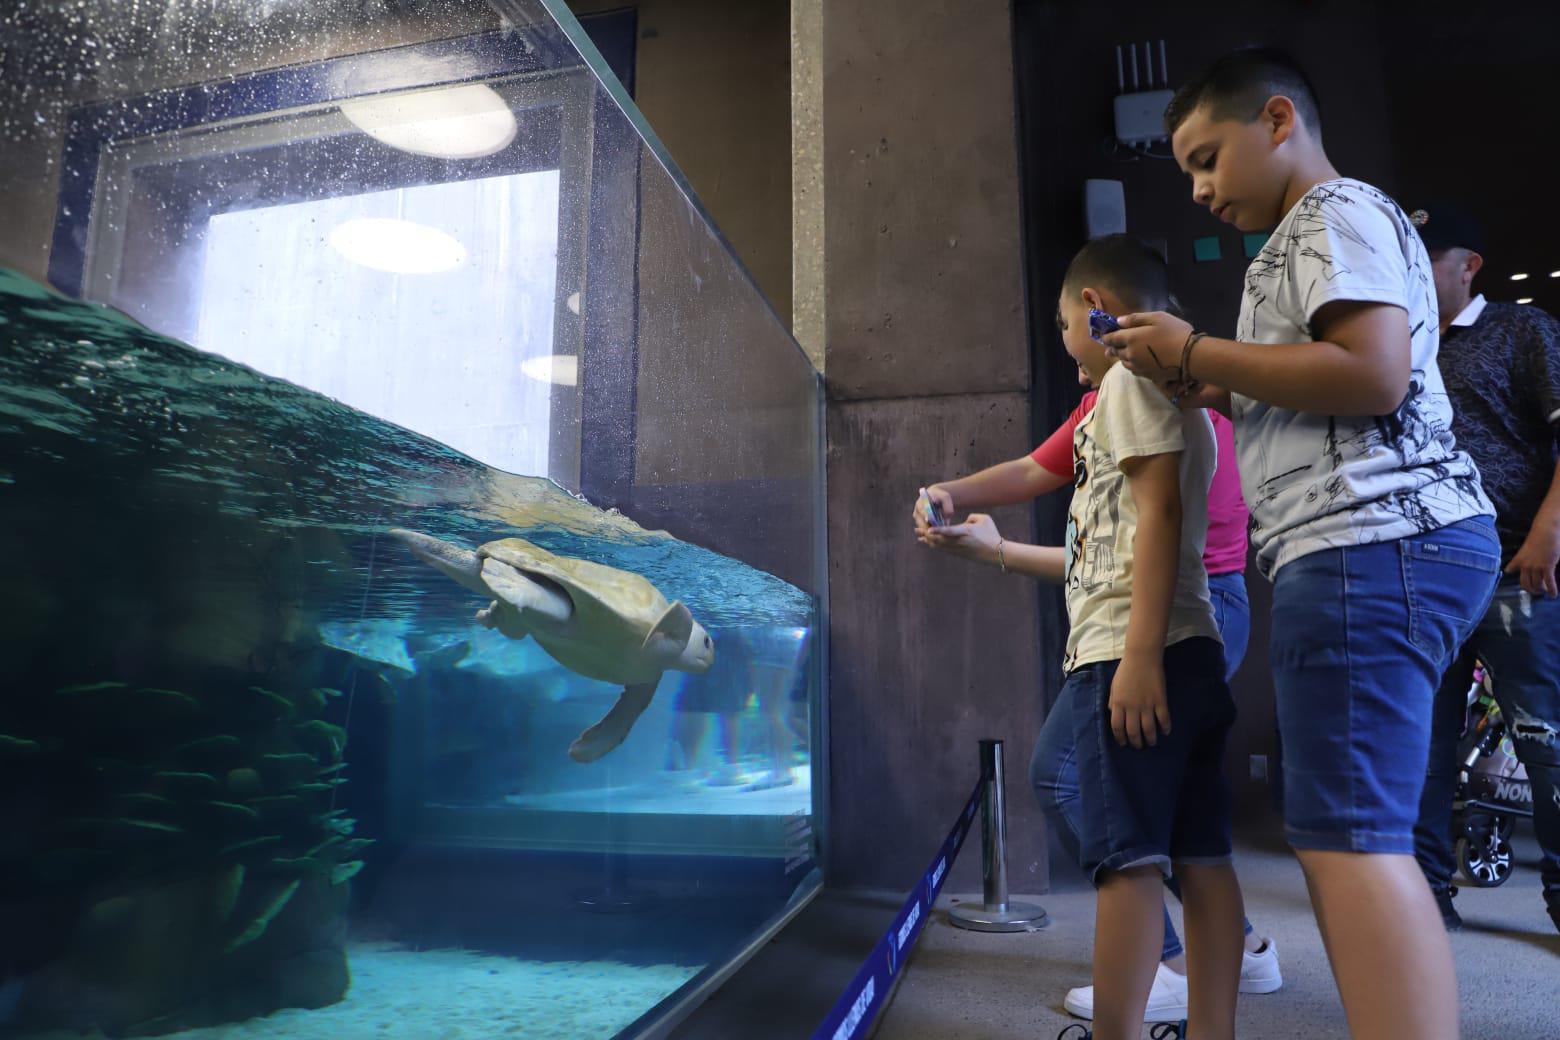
[(1361, 636), (1156, 805)]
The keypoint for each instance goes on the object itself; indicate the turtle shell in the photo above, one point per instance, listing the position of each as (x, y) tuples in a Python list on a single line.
[(614, 610)]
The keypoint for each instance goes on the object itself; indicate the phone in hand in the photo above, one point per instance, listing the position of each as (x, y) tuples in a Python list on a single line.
[(934, 516), (1100, 324)]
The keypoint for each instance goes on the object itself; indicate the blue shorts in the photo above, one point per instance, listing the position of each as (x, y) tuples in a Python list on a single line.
[(1155, 805), (1361, 636)]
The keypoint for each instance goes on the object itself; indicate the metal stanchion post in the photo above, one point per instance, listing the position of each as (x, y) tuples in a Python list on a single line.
[(996, 914)]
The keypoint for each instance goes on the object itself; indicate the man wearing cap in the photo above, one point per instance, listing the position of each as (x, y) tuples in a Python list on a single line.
[(1501, 366)]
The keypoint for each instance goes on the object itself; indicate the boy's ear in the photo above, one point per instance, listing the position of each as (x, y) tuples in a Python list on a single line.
[(1281, 118), (1091, 298)]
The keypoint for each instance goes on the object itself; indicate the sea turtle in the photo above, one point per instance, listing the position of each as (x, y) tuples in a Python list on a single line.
[(597, 621)]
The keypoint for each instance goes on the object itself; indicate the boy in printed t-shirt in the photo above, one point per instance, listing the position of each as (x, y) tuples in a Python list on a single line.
[(1145, 684), (1371, 524)]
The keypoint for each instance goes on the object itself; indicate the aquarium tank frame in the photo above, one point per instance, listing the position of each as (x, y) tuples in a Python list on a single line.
[(660, 1023), (548, 36)]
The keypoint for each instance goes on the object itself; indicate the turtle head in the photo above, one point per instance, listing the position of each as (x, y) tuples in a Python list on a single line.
[(456, 563), (698, 655), (681, 642)]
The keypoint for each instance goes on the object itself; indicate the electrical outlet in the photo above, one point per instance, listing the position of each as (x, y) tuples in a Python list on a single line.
[(1259, 767)]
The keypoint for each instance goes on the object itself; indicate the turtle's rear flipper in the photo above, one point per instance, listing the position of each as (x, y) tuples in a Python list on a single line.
[(614, 725)]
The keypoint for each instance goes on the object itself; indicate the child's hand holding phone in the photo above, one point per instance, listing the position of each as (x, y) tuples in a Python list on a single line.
[(933, 508)]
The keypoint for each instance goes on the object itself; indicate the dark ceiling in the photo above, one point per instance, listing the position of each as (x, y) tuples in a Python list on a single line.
[(1472, 91)]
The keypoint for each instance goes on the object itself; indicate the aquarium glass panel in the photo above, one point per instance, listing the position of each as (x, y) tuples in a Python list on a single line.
[(411, 621)]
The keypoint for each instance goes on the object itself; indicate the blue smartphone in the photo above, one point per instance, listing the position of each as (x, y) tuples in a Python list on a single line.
[(934, 515), (1101, 323)]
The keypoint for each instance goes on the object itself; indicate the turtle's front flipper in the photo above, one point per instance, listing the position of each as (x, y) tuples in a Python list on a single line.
[(455, 562), (522, 593), (615, 724)]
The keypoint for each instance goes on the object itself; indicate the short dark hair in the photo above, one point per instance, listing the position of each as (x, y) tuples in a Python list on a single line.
[(1239, 84), (1126, 266)]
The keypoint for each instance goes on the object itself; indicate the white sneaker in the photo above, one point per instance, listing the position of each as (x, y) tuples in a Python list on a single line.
[(1166, 1000), (1259, 971)]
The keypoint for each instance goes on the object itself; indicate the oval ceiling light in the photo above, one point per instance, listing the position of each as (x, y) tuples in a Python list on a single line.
[(397, 246), (465, 122), (1526, 299), (1519, 277), (558, 369)]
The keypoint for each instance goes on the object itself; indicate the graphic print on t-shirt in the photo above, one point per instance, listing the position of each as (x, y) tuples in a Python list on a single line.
[(1316, 481), (1091, 561), (1132, 420)]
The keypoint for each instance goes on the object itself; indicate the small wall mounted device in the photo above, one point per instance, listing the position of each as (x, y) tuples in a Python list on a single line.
[(1140, 112)]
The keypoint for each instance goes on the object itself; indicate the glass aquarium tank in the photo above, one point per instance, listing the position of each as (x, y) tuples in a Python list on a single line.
[(411, 534)]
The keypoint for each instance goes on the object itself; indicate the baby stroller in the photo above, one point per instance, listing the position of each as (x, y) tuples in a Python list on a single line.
[(1492, 791)]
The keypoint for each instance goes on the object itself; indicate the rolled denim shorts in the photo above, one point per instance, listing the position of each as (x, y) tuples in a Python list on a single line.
[(1361, 635), (1154, 805)]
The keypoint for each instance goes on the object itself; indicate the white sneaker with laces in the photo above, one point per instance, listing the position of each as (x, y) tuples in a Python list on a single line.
[(1166, 1000), (1259, 971)]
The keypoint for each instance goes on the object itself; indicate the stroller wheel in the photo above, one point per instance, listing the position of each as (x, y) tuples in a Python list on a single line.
[(1484, 858)]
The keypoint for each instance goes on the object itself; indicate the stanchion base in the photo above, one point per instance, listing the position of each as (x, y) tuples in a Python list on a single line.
[(1018, 917)]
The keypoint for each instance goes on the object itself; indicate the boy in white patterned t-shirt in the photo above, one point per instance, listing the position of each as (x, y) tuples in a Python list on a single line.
[(1371, 524)]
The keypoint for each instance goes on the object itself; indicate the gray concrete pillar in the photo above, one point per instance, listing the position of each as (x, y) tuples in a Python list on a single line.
[(928, 367)]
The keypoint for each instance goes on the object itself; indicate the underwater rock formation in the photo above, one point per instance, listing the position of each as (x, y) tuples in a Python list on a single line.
[(176, 860)]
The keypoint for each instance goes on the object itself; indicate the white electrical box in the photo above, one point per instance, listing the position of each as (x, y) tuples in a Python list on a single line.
[(1104, 208)]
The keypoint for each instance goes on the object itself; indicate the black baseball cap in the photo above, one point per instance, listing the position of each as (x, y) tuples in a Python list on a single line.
[(1443, 225)]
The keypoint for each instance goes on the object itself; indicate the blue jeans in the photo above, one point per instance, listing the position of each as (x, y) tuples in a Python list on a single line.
[(1053, 768), (1361, 638), (1518, 640), (1232, 613)]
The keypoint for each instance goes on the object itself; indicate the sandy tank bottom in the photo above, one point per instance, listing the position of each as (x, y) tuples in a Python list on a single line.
[(402, 994)]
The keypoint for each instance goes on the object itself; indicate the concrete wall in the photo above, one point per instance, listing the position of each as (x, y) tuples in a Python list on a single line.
[(808, 318), (723, 394), (713, 79), (714, 82), (928, 371)]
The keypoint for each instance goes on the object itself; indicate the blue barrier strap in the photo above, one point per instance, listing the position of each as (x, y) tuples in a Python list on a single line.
[(854, 1012)]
